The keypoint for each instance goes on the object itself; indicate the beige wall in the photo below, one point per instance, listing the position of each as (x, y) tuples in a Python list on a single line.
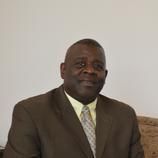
[(34, 35)]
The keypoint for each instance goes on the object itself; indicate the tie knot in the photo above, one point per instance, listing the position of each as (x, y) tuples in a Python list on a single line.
[(85, 108), (85, 114)]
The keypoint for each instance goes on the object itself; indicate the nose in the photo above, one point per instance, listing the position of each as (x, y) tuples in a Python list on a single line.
[(89, 69)]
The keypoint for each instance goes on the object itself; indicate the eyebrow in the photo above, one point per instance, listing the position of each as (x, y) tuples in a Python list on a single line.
[(79, 58), (83, 58)]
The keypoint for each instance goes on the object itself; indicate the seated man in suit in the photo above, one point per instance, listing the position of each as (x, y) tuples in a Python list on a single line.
[(74, 120)]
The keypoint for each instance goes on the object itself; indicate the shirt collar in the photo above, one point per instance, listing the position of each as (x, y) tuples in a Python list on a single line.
[(78, 105)]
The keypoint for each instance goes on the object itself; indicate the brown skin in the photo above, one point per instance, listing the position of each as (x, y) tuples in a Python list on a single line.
[(84, 72)]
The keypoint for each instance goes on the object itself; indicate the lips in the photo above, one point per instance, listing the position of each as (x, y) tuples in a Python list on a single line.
[(88, 83)]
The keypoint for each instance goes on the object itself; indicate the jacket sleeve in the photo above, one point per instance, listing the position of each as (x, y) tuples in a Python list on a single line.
[(23, 140), (136, 149)]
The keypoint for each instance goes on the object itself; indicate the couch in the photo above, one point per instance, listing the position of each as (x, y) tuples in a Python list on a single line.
[(149, 135)]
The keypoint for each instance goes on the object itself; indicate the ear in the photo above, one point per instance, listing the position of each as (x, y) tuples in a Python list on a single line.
[(106, 73), (62, 70)]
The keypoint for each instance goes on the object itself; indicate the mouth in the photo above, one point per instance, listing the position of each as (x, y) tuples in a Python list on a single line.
[(88, 83)]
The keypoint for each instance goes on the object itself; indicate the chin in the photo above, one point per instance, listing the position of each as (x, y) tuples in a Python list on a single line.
[(88, 91), (86, 98)]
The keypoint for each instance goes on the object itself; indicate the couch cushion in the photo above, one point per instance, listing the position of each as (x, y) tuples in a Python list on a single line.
[(149, 135)]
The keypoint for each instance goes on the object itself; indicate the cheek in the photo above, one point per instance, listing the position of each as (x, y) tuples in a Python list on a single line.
[(74, 74), (71, 78), (101, 76)]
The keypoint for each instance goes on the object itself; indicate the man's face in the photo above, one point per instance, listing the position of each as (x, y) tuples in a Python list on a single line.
[(84, 72)]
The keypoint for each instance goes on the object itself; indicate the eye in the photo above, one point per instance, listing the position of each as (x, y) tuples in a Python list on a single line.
[(80, 64), (99, 66)]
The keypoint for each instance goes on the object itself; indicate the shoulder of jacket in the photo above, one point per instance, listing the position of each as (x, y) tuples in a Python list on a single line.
[(36, 100), (116, 104)]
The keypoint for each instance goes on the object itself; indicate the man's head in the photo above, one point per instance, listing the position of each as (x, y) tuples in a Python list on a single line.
[(84, 70)]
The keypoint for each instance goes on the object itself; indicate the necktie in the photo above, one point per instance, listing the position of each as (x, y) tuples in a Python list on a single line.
[(89, 128)]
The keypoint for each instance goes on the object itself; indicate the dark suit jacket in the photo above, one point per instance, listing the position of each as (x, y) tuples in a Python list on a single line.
[(46, 126)]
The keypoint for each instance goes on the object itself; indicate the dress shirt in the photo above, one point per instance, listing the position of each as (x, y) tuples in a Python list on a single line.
[(78, 107)]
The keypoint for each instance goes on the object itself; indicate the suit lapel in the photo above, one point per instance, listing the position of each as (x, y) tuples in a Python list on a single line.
[(71, 122), (103, 127)]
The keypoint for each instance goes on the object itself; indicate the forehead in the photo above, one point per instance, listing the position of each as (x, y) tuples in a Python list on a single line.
[(85, 51)]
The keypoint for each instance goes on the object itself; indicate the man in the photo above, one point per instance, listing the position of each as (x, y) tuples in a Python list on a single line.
[(54, 125)]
